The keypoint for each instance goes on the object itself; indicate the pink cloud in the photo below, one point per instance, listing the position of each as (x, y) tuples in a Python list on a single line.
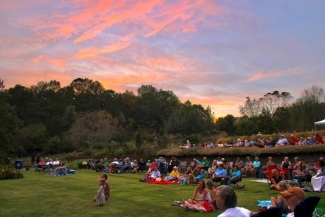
[(37, 59), (57, 62), (89, 52), (272, 74)]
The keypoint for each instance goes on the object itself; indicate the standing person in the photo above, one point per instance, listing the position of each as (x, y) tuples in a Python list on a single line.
[(38, 158), (226, 200), (32, 160), (107, 187), (256, 165), (100, 197)]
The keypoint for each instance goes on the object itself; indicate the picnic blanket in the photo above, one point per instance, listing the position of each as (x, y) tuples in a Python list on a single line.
[(163, 182)]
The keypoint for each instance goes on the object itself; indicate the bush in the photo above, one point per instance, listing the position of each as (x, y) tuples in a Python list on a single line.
[(10, 173)]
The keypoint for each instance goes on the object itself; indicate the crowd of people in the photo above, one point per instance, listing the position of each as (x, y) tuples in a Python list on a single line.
[(207, 198), (272, 142)]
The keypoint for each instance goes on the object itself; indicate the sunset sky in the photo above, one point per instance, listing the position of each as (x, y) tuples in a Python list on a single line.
[(213, 53)]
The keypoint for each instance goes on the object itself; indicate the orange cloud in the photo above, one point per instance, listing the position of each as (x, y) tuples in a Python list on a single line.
[(272, 74), (118, 17), (58, 63), (37, 59), (89, 52)]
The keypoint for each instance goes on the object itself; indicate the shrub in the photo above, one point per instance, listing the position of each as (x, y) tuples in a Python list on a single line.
[(10, 173)]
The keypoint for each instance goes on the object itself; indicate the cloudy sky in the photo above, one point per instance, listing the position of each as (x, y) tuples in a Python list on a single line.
[(213, 53)]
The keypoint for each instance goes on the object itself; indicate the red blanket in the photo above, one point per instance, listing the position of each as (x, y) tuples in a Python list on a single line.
[(163, 182)]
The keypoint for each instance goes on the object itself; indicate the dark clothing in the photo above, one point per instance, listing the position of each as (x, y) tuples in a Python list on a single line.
[(271, 143)]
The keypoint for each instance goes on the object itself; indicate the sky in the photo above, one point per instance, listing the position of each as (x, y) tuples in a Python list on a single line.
[(213, 53)]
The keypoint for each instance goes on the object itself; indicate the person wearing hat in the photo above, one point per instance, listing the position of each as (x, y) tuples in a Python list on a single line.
[(174, 175), (293, 196), (282, 141)]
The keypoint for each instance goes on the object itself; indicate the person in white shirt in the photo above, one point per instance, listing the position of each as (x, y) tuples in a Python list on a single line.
[(226, 199), (56, 162)]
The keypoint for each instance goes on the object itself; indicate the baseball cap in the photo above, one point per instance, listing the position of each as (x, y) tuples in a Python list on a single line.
[(294, 191)]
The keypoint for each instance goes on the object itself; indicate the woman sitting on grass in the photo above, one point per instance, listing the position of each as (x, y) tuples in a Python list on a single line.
[(200, 195), (275, 180)]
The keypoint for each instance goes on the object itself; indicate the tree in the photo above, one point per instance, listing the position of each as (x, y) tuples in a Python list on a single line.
[(226, 124), (9, 129), (269, 102), (2, 84), (93, 127)]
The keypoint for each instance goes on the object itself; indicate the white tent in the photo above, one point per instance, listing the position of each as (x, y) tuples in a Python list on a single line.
[(320, 123)]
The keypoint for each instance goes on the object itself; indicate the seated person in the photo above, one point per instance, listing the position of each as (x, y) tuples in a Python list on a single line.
[(227, 200), (213, 167), (281, 201), (41, 165), (126, 165), (293, 196), (271, 143), (193, 179), (275, 179), (219, 174), (282, 141), (200, 195), (234, 178), (205, 164), (213, 193), (155, 173), (248, 169), (113, 164), (319, 139), (99, 165), (301, 173), (293, 140), (92, 164), (60, 170), (49, 164), (174, 175), (318, 180), (56, 162), (148, 164), (134, 166)]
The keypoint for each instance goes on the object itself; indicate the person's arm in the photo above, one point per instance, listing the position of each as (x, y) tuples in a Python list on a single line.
[(195, 193), (273, 181)]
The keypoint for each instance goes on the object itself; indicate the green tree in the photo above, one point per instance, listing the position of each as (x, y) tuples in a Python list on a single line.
[(9, 129)]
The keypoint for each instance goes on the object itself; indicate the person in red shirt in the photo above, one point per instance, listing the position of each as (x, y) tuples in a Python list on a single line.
[(293, 140), (319, 139)]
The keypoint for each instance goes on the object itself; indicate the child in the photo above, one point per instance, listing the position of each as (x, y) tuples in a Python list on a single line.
[(107, 188), (100, 197)]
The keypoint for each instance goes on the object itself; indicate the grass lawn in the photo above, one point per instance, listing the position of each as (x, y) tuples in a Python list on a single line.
[(40, 195)]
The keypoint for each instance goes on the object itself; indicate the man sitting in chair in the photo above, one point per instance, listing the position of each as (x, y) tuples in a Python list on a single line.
[(219, 174), (234, 178), (193, 179), (293, 196)]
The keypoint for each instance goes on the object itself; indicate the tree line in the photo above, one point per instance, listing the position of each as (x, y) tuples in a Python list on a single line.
[(277, 112), (85, 117)]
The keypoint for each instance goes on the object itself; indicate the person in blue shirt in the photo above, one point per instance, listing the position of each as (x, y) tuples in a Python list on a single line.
[(193, 179), (219, 174), (256, 165), (235, 176)]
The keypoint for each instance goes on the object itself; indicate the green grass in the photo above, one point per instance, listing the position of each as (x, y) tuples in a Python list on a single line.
[(39, 195)]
